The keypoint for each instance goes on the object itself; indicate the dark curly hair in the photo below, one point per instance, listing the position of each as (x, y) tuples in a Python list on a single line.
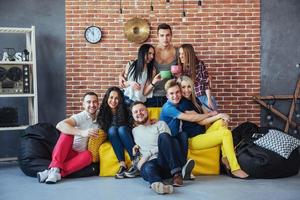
[(105, 115)]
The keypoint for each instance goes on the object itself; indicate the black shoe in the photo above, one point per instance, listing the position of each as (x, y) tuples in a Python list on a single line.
[(187, 169), (121, 173), (132, 172)]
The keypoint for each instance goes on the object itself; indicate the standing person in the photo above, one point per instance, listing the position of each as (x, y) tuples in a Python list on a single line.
[(70, 153), (140, 76), (166, 55), (216, 134), (160, 153), (114, 119), (196, 70)]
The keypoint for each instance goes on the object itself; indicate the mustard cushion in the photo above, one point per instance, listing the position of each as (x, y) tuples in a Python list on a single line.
[(109, 164), (154, 112), (207, 161), (94, 144)]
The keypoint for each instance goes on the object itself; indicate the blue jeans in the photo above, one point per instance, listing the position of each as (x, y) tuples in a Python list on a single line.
[(204, 100), (168, 163), (120, 138)]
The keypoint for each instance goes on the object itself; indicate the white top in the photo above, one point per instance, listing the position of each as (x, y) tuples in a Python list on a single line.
[(146, 136), (137, 95), (83, 121)]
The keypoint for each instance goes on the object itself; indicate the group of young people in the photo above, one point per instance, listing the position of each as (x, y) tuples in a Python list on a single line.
[(157, 149)]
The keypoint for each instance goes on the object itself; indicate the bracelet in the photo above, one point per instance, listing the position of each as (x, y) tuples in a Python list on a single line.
[(152, 84)]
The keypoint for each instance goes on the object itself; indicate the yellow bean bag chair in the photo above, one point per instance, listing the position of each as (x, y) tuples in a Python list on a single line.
[(207, 161)]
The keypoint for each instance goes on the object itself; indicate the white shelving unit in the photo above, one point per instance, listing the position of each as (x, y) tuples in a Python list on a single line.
[(31, 95)]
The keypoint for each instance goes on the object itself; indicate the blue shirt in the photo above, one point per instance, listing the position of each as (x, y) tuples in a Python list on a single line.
[(170, 113)]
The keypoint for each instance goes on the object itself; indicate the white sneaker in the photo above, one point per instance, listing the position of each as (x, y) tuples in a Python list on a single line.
[(42, 176), (193, 177), (187, 169), (53, 176), (161, 188)]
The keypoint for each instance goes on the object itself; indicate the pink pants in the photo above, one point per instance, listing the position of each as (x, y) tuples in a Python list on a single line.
[(65, 158)]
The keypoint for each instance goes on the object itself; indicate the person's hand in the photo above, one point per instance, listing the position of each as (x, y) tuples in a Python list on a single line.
[(153, 121), (156, 78), (135, 149), (212, 113), (90, 133), (141, 162), (225, 117), (122, 81), (135, 85)]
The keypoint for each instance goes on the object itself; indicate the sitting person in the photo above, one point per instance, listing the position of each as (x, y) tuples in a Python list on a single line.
[(160, 153), (194, 121), (196, 70), (217, 134), (114, 119), (140, 76), (70, 153)]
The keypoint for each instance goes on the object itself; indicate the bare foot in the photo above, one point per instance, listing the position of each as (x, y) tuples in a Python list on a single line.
[(225, 162), (239, 173)]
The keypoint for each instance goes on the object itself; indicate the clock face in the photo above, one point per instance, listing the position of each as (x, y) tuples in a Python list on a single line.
[(93, 34)]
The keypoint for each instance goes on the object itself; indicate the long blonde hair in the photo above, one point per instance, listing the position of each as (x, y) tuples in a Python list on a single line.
[(193, 96), (191, 60)]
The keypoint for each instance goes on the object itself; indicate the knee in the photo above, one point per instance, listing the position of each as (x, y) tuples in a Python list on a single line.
[(88, 155), (123, 131), (112, 132), (163, 137)]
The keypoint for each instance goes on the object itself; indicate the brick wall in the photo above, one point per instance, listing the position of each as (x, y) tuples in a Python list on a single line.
[(225, 34)]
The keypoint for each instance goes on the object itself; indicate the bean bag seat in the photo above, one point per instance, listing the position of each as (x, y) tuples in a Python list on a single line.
[(35, 151), (36, 145)]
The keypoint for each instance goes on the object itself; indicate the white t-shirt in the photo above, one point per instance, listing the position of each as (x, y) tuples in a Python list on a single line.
[(137, 95), (147, 138), (83, 121)]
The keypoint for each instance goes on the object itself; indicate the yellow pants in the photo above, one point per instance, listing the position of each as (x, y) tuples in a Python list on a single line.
[(217, 134)]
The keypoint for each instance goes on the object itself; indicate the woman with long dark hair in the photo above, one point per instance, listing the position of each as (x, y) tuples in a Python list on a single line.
[(141, 76), (113, 118)]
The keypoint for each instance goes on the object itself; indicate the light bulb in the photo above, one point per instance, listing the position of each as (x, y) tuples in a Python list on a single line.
[(168, 4), (183, 16)]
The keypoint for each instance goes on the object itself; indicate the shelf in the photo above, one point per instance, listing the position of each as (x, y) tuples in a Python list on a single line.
[(8, 159), (16, 63), (15, 30), (14, 128), (16, 95)]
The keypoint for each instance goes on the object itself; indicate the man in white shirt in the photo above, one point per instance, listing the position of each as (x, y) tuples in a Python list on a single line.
[(70, 153), (160, 153)]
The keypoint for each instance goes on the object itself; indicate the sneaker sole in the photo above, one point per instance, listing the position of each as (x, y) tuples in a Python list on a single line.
[(186, 175), (131, 175), (119, 177), (39, 178)]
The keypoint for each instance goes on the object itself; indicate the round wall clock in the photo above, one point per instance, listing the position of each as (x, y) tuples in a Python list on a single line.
[(93, 34)]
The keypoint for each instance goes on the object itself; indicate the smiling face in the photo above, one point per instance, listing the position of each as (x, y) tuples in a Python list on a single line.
[(186, 89), (164, 37), (90, 104), (174, 94), (150, 55), (182, 56), (113, 100), (140, 113)]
